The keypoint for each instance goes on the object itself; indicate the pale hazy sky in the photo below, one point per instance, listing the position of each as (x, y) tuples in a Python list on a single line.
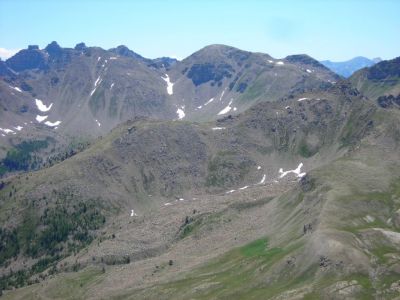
[(336, 30)]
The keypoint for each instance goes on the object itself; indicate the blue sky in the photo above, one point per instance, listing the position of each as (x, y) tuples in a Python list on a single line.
[(336, 30)]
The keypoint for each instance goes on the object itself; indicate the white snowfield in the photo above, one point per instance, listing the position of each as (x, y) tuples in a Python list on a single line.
[(262, 181), (296, 171), (280, 63), (218, 128), (52, 124), (205, 104), (40, 119), (209, 101), (41, 106), (181, 112), (96, 83), (16, 88), (226, 109), (7, 131), (170, 85), (92, 92), (222, 94)]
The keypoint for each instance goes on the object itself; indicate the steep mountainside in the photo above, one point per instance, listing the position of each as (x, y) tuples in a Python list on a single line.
[(288, 188), (87, 91), (381, 79), (218, 80), (155, 189), (347, 68)]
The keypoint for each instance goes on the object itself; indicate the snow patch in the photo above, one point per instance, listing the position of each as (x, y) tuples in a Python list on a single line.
[(92, 92), (218, 128), (235, 109), (167, 204), (40, 119), (17, 89), (7, 131), (98, 123), (263, 179), (170, 85), (222, 94), (52, 124), (230, 192), (296, 171), (243, 188), (19, 128), (226, 109), (280, 63), (302, 99), (41, 106), (96, 83), (133, 214), (112, 84), (98, 58), (181, 112), (209, 101), (287, 107), (258, 167), (308, 71), (98, 80), (113, 57), (270, 61)]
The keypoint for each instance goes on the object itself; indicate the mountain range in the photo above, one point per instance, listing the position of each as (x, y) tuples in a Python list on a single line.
[(347, 68), (227, 174)]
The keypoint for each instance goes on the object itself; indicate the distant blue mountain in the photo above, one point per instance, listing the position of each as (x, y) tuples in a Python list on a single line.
[(347, 68)]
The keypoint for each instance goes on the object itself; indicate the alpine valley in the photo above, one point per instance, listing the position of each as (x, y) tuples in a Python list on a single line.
[(228, 174)]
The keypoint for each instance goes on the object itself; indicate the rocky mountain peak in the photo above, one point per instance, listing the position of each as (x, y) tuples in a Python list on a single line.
[(53, 49), (80, 46), (125, 51)]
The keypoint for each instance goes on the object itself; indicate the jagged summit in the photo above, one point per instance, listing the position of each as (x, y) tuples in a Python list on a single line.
[(54, 50), (125, 51)]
